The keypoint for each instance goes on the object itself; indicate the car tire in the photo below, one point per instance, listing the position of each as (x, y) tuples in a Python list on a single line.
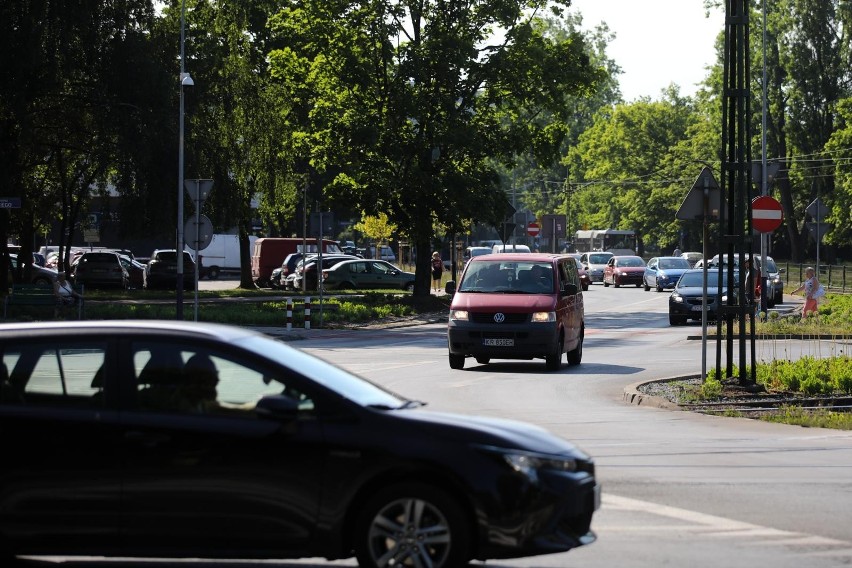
[(779, 298), (615, 284), (647, 288), (552, 361), (659, 288), (456, 361), (585, 287), (388, 525), (575, 356), (605, 283), (676, 320), (483, 360), (409, 287), (213, 272)]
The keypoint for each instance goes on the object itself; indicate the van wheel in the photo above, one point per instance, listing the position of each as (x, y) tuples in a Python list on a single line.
[(456, 361), (576, 355), (213, 272), (553, 361)]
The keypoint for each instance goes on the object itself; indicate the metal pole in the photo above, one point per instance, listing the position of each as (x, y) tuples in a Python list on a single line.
[(197, 241), (764, 237), (706, 210), (179, 243)]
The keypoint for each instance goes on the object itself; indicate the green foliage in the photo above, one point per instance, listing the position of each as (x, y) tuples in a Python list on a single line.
[(711, 389), (814, 419)]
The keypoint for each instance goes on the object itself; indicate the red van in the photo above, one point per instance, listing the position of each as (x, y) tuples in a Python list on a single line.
[(517, 306)]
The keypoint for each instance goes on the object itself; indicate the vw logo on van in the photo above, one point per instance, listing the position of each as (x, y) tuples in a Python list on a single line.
[(499, 317)]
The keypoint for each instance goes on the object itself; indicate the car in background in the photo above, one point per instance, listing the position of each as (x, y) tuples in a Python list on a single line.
[(594, 264), (385, 253), (161, 270), (100, 269), (498, 249), (39, 275), (364, 273), (663, 272), (581, 271), (305, 275), (176, 416), (287, 268), (471, 252), (692, 257), (686, 299), (624, 270), (772, 273), (135, 271)]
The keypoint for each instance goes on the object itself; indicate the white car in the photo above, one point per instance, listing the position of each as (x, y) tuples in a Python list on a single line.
[(594, 263)]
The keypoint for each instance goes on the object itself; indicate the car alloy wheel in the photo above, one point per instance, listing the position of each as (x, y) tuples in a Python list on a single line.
[(412, 525)]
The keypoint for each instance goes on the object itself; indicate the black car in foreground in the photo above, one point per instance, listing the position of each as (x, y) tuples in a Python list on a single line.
[(687, 297), (171, 439)]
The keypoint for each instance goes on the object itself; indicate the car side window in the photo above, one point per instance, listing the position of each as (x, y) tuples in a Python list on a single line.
[(59, 374), (187, 380)]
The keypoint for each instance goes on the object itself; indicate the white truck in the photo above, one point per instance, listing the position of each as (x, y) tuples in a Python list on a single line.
[(222, 255)]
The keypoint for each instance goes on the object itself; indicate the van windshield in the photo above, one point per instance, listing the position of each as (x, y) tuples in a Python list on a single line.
[(508, 278)]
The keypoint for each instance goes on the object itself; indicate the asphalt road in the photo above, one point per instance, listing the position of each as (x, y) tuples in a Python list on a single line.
[(680, 489)]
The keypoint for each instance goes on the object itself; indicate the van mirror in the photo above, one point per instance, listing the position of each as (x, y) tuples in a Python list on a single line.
[(569, 290), (450, 287)]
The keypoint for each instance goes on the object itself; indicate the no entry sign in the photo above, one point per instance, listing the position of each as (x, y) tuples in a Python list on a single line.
[(533, 229), (766, 214)]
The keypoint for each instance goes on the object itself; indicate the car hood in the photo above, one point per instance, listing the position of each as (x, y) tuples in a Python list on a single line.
[(629, 269), (697, 291), (497, 432), (672, 271), (496, 302)]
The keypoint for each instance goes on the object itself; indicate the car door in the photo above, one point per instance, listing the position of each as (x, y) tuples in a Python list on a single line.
[(61, 432), (380, 275), (207, 479), (651, 273)]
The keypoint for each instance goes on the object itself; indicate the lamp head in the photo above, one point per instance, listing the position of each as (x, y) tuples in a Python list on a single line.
[(186, 80)]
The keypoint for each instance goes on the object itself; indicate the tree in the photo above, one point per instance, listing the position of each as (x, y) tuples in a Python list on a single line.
[(619, 166), (377, 228), (406, 103)]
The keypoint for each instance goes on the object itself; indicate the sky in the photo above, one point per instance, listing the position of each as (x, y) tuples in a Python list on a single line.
[(657, 42)]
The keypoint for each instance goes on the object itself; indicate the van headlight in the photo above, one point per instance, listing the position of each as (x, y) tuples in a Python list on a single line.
[(543, 317), (459, 315)]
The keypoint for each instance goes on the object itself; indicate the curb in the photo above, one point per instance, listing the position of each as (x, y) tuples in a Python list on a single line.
[(632, 394)]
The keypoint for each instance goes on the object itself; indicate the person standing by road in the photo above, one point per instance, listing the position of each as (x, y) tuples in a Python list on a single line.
[(437, 271), (810, 287)]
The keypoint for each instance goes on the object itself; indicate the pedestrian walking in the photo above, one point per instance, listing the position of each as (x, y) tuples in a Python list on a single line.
[(811, 289), (437, 271)]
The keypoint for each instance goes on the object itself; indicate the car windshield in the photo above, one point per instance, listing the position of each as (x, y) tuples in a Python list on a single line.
[(349, 386), (696, 279), (631, 262), (599, 258), (515, 277), (673, 263)]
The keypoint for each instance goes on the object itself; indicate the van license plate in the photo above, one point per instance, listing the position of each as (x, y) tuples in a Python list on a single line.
[(491, 342)]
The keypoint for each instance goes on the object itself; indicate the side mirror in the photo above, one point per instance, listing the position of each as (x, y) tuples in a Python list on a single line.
[(450, 287), (277, 407)]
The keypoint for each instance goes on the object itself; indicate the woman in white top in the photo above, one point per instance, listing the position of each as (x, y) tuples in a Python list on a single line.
[(810, 286)]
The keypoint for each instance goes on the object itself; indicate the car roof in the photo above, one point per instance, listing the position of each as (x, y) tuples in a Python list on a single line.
[(519, 257), (114, 327)]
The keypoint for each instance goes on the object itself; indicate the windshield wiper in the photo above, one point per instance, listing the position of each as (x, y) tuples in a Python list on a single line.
[(412, 404)]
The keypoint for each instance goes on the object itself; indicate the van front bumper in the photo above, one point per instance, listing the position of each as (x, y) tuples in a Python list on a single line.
[(502, 341)]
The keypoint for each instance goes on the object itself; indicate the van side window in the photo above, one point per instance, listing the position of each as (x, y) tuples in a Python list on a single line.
[(568, 273)]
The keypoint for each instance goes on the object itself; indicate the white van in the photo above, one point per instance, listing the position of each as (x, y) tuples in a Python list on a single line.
[(497, 249)]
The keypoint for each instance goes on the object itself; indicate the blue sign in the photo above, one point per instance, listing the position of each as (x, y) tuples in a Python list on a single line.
[(10, 202)]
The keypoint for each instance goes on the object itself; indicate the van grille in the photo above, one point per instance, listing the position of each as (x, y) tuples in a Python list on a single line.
[(488, 317)]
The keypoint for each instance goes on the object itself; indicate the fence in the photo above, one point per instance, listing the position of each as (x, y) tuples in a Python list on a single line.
[(835, 277)]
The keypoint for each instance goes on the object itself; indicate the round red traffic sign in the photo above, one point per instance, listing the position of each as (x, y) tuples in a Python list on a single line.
[(766, 214), (533, 229)]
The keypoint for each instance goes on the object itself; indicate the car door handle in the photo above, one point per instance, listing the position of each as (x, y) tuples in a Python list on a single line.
[(147, 439)]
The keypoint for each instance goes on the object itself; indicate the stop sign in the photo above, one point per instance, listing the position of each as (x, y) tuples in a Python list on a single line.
[(533, 229), (766, 214)]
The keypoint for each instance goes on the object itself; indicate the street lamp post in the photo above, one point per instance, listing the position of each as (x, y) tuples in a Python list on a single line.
[(185, 81)]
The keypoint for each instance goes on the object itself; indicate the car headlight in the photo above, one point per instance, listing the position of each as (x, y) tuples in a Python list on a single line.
[(541, 317), (675, 297), (529, 465), (459, 315)]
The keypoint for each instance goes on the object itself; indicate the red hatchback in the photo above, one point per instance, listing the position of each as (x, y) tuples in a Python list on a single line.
[(624, 270)]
